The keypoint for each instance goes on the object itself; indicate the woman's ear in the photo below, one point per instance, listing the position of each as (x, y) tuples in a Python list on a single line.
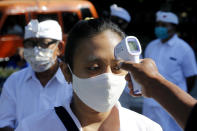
[(61, 47), (66, 71)]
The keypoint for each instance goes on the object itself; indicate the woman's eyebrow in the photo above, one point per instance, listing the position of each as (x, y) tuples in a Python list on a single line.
[(93, 58), (116, 61)]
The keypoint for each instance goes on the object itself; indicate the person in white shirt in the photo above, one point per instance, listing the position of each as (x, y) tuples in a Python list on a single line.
[(97, 83), (41, 85), (175, 60)]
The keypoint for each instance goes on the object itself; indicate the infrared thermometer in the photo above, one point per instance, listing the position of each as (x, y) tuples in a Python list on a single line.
[(129, 49)]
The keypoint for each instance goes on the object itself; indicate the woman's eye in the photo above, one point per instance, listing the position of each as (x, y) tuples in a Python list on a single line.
[(116, 68), (92, 68)]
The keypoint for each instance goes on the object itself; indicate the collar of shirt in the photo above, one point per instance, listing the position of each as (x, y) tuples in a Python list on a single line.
[(58, 75), (171, 41)]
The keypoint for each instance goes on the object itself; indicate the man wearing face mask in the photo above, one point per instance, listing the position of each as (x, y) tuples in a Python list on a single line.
[(175, 60), (40, 86)]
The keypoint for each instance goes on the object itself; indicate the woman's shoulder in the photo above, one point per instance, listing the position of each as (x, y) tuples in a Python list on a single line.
[(131, 120)]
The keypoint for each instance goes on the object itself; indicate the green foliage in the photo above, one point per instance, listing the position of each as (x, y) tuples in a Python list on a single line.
[(5, 72)]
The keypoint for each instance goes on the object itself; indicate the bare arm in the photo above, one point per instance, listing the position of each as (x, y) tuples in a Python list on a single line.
[(177, 102), (6, 129)]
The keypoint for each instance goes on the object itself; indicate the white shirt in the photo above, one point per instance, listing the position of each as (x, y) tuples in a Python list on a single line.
[(49, 121), (23, 95), (175, 60)]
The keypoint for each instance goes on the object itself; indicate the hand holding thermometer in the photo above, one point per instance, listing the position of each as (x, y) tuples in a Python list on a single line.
[(129, 49)]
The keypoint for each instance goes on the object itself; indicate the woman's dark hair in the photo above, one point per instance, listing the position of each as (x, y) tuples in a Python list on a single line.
[(86, 29)]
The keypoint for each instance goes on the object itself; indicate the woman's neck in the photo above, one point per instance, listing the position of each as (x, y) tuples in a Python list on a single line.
[(85, 114), (91, 120)]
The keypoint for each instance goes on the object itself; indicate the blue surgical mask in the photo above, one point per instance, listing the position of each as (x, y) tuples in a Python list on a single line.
[(161, 32)]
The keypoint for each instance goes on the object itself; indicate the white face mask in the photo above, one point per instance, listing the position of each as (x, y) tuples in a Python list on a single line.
[(101, 92), (40, 59)]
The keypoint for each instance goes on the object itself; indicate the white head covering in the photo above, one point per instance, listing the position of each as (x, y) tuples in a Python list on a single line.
[(168, 17), (45, 29), (120, 12)]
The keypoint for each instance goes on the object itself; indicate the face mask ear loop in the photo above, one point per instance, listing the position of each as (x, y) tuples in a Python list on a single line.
[(70, 69), (56, 45), (53, 50)]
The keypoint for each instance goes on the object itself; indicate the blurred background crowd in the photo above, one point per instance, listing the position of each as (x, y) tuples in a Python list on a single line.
[(143, 17)]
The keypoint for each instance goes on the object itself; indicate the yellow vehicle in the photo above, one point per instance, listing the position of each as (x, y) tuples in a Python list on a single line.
[(15, 14)]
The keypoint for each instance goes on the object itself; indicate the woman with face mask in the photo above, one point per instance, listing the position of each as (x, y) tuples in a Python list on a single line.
[(97, 84)]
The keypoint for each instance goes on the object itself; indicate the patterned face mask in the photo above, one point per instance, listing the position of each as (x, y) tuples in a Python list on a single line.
[(39, 58)]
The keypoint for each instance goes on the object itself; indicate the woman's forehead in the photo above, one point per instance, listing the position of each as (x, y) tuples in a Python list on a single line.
[(106, 40), (100, 45), (109, 37)]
